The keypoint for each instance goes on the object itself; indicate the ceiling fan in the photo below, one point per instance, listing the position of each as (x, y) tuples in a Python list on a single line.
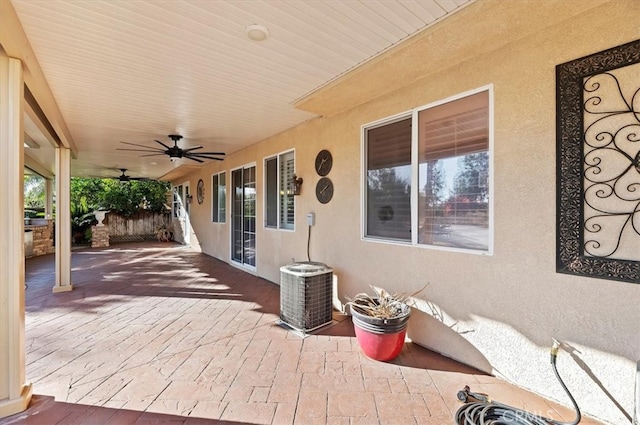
[(124, 178), (174, 152)]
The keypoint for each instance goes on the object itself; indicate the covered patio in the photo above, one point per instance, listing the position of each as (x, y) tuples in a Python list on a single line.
[(160, 333)]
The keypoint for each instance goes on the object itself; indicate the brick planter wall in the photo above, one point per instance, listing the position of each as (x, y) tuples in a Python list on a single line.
[(99, 236), (42, 239)]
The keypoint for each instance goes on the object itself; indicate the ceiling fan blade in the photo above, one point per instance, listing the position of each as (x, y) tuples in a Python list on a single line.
[(158, 141), (197, 155), (191, 157), (141, 150), (136, 144), (153, 154), (211, 153), (191, 149)]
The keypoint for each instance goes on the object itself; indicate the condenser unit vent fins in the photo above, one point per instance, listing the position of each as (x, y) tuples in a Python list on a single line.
[(305, 295)]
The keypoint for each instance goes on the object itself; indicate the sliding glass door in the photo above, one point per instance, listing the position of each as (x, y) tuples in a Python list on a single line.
[(243, 216)]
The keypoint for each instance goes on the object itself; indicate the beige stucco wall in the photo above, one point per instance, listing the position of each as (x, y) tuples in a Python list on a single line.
[(497, 312)]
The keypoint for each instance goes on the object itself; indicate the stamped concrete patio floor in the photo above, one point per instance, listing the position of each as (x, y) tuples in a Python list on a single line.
[(160, 334)]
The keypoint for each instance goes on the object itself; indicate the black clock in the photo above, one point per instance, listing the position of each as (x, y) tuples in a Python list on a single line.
[(324, 162), (324, 190), (200, 191)]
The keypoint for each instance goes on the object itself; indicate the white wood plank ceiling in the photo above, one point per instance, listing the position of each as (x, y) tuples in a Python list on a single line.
[(135, 71)]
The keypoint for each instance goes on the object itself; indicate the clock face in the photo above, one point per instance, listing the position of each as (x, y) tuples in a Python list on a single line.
[(324, 162), (324, 190), (200, 191)]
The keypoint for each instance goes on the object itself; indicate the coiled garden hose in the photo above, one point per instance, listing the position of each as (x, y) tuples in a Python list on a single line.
[(481, 410)]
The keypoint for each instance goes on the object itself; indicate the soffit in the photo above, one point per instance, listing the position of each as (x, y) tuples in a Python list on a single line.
[(136, 71), (474, 31)]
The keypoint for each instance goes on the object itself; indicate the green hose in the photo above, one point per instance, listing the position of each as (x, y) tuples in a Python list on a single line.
[(480, 410)]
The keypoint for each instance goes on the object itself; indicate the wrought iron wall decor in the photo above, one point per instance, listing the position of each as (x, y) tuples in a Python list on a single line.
[(598, 164)]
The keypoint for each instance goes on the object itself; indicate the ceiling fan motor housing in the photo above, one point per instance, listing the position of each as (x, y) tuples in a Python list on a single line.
[(175, 151)]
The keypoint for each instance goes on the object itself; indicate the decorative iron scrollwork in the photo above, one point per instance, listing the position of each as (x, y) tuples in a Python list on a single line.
[(611, 168), (598, 141)]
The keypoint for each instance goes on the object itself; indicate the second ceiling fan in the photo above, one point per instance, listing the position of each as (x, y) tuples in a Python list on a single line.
[(176, 152), (123, 178)]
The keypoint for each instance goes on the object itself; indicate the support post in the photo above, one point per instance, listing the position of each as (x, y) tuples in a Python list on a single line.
[(48, 198), (63, 220), (15, 392)]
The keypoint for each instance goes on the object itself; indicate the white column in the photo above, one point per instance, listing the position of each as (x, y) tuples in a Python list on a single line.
[(48, 198), (63, 220), (15, 393)]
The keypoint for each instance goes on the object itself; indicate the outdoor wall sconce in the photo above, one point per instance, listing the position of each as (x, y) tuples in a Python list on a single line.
[(296, 184)]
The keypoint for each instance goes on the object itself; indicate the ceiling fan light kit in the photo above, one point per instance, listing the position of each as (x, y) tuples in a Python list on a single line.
[(175, 152)]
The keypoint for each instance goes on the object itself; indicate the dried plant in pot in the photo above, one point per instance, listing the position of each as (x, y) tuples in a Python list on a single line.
[(164, 233), (380, 322)]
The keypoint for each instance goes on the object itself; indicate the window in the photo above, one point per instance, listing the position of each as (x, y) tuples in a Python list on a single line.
[(219, 197), (438, 159), (389, 180), (177, 201), (279, 200)]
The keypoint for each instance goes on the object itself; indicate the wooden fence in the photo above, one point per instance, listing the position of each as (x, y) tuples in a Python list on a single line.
[(141, 226)]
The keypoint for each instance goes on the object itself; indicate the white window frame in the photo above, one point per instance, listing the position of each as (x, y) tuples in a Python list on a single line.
[(222, 218), (280, 190), (413, 113)]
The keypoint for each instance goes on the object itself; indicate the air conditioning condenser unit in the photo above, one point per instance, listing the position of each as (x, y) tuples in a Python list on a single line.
[(306, 290)]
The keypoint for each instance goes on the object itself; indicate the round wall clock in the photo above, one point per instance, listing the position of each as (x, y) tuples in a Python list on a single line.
[(200, 191), (324, 162), (324, 190)]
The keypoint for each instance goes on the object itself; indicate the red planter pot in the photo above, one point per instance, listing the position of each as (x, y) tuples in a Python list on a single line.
[(381, 339), (381, 347)]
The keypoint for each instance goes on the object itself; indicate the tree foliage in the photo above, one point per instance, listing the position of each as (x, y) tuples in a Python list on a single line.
[(471, 180), (127, 199), (386, 183), (89, 194), (34, 191), (434, 184), (85, 193)]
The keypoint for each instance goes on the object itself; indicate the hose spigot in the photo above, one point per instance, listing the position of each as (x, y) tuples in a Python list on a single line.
[(467, 396), (554, 350)]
